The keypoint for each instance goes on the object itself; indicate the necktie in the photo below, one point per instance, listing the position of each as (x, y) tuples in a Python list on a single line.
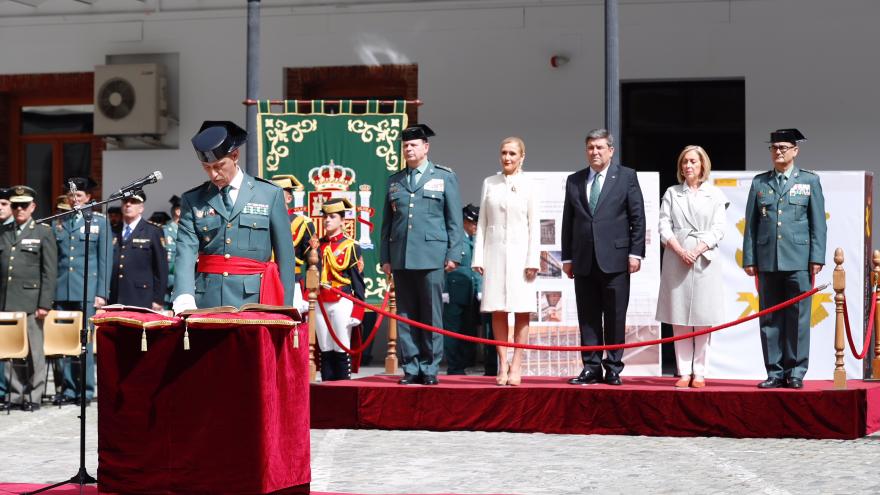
[(594, 193), (126, 233), (227, 199), (412, 178), (780, 178)]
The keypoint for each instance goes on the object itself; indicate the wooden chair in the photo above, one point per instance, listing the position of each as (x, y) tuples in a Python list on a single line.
[(61, 336), (13, 344)]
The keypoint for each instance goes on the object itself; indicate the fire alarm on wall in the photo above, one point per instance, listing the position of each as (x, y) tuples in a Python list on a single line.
[(557, 61)]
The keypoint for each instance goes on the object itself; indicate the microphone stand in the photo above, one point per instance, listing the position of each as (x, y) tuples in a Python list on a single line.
[(82, 477)]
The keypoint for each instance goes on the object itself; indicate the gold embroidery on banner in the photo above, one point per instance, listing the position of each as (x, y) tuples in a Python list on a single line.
[(376, 286), (385, 133), (279, 132)]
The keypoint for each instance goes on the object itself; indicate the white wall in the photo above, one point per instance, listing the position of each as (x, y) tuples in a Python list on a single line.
[(484, 73)]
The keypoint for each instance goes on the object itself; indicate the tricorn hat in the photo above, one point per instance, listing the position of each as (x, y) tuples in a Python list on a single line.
[(216, 139), (336, 205), (786, 136), (471, 212), (418, 131), (61, 203), (175, 201), (286, 181)]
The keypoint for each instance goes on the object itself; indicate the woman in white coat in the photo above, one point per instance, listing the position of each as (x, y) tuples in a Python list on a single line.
[(506, 254), (692, 222)]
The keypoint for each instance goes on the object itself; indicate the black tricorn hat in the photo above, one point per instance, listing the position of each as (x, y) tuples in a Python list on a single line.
[(418, 131), (5, 193), (175, 201), (82, 183), (786, 136), (216, 139), (471, 212), (160, 217), (114, 209)]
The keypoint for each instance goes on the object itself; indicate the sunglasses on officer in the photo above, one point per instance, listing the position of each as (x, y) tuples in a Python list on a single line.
[(19, 205)]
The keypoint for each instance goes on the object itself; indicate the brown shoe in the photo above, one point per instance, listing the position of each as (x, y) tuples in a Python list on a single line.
[(698, 383), (683, 382)]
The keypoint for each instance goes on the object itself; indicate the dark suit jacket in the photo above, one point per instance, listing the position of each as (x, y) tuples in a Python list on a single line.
[(140, 267), (28, 267), (617, 229)]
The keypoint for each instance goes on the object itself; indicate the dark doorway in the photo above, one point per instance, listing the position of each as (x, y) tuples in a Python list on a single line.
[(660, 118)]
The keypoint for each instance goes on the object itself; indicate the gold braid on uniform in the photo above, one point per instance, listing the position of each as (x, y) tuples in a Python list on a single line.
[(298, 227), (331, 269)]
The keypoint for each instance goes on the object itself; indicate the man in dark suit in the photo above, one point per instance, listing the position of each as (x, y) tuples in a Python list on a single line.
[(140, 266), (603, 242), (28, 268)]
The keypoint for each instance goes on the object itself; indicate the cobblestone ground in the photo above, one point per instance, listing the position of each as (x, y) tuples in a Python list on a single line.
[(43, 447)]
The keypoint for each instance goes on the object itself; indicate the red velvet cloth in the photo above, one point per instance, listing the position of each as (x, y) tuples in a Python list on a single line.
[(271, 288), (642, 406), (227, 416)]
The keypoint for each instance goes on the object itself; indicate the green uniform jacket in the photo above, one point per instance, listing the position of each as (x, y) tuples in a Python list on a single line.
[(28, 266), (785, 230), (464, 283), (70, 238), (422, 227), (257, 227)]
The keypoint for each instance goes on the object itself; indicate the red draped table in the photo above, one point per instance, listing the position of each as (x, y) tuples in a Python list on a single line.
[(228, 415)]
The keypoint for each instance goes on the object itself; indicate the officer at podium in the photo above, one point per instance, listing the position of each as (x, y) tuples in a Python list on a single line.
[(230, 226)]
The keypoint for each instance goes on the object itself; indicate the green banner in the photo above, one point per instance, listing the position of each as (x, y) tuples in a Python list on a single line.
[(337, 155)]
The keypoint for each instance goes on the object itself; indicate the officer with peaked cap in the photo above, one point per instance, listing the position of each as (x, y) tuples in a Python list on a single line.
[(28, 264), (71, 240), (140, 266), (421, 240), (302, 229), (5, 206), (230, 227), (784, 246), (169, 230), (461, 309)]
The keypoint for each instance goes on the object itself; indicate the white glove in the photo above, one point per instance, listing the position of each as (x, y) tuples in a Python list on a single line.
[(183, 302), (445, 298), (479, 296), (299, 302), (353, 322)]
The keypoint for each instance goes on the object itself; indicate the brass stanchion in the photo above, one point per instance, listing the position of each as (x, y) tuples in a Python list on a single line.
[(875, 279), (313, 283), (839, 277), (391, 356)]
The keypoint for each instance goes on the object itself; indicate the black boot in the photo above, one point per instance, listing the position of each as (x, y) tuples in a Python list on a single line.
[(328, 366), (343, 366)]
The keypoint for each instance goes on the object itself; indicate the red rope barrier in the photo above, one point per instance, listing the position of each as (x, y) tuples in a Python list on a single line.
[(373, 332), (581, 348), (868, 334)]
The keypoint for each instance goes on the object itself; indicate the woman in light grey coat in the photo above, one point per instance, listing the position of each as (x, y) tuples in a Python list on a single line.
[(692, 222)]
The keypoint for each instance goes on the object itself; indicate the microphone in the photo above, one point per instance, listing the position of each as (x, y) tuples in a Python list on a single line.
[(140, 183)]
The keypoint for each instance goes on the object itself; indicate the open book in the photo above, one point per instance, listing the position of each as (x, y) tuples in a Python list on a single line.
[(137, 309), (268, 308)]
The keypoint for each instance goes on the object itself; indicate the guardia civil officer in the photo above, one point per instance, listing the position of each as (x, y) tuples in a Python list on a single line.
[(461, 309), (421, 239), (231, 224), (784, 246), (140, 264), (71, 241), (28, 264), (169, 230)]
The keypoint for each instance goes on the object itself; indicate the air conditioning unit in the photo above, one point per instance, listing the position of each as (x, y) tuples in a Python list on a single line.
[(130, 99)]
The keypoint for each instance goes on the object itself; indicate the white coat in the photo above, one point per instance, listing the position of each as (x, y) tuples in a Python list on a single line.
[(692, 295), (507, 243)]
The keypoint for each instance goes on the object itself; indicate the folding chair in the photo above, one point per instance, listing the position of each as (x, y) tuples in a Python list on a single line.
[(61, 336), (13, 344)]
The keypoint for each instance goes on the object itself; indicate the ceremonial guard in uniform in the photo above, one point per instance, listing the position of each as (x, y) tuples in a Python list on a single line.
[(461, 311), (341, 266), (28, 264), (230, 227), (421, 237), (169, 230), (302, 229), (784, 245), (70, 236), (140, 265)]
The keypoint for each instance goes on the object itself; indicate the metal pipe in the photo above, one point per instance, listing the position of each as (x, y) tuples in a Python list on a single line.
[(253, 84), (251, 102), (612, 74)]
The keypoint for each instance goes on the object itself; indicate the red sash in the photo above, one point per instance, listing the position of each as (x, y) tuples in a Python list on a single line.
[(271, 289)]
